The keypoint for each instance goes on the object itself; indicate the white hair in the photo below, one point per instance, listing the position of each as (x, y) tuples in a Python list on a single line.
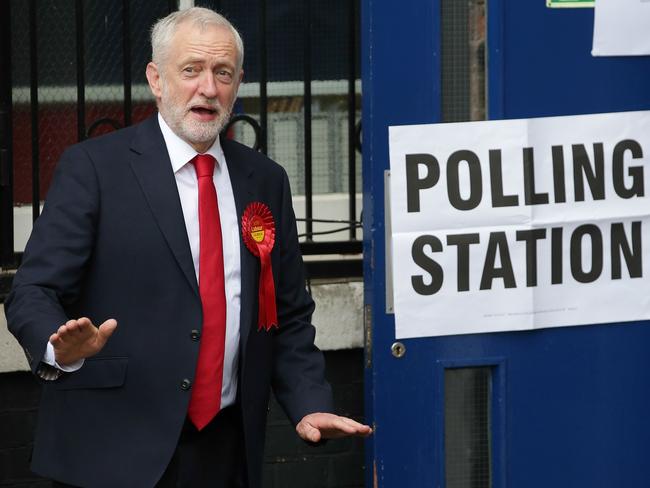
[(164, 29)]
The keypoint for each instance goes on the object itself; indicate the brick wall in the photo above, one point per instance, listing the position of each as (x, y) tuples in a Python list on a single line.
[(289, 463), (19, 394)]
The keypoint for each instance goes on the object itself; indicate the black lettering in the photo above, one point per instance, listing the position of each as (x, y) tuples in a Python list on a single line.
[(475, 180), (463, 241), (496, 182), (498, 243), (556, 255), (559, 184), (595, 175), (636, 172), (427, 264), (530, 197), (596, 239), (413, 181), (531, 237), (632, 254)]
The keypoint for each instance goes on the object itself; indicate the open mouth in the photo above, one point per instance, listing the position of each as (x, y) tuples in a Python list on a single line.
[(204, 111)]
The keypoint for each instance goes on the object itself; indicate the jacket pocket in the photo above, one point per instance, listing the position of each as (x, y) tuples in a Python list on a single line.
[(104, 372)]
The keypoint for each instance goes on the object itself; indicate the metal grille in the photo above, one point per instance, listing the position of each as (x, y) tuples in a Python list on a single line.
[(463, 60), (306, 101), (78, 71), (467, 428)]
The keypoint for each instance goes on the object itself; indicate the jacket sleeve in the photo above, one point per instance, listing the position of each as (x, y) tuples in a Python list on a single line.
[(52, 269), (299, 368)]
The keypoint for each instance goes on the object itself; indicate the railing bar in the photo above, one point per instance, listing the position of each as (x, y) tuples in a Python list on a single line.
[(333, 231), (352, 169), (307, 118), (332, 221), (6, 169), (33, 99), (263, 78), (126, 61), (81, 67), (331, 247)]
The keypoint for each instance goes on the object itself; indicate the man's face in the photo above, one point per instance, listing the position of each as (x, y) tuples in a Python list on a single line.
[(197, 84)]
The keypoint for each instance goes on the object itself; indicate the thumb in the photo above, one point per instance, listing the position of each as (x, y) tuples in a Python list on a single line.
[(105, 331), (308, 432)]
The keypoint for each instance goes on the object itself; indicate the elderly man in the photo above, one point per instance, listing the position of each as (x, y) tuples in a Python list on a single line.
[(182, 246)]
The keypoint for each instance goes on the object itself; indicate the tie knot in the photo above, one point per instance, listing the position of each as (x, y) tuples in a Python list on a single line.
[(204, 165)]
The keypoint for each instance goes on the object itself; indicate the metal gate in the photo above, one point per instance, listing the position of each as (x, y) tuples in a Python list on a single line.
[(72, 69)]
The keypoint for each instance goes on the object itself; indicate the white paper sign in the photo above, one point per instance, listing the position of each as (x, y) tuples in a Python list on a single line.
[(621, 28), (520, 224)]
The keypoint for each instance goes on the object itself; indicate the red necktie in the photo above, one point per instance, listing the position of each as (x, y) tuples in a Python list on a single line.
[(206, 390)]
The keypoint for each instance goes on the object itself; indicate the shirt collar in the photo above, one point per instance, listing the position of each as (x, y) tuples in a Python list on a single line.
[(180, 152)]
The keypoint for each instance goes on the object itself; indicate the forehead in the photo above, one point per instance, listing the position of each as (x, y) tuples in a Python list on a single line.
[(210, 42)]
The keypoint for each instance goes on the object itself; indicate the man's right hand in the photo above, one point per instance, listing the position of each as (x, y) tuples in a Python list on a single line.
[(80, 339)]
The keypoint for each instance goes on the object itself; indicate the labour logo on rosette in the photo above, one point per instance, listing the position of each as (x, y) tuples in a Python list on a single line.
[(258, 230)]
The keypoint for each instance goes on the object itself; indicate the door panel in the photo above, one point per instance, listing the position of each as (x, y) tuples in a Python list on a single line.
[(566, 406)]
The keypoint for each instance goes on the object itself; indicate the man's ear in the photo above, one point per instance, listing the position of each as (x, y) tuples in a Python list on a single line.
[(153, 77)]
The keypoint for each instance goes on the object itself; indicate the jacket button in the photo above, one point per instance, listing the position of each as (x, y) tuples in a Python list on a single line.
[(195, 335), (186, 384)]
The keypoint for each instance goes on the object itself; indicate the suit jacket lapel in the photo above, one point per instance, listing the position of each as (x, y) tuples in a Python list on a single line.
[(153, 169), (241, 176)]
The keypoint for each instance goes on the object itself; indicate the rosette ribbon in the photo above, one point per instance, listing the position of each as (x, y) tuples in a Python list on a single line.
[(258, 231)]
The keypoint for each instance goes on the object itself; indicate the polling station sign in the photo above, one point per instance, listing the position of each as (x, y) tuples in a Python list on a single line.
[(520, 224)]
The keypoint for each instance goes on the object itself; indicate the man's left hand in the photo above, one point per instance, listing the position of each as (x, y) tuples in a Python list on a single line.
[(318, 426)]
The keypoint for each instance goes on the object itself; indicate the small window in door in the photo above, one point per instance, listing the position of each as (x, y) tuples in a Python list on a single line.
[(468, 394), (463, 47)]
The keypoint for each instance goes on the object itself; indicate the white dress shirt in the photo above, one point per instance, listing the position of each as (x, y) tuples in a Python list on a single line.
[(180, 155)]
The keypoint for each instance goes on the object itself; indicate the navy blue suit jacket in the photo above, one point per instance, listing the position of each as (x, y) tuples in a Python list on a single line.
[(111, 243)]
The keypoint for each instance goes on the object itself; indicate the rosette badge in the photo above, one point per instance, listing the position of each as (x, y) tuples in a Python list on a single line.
[(258, 231)]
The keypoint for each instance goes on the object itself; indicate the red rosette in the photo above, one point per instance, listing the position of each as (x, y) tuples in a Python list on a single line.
[(258, 231)]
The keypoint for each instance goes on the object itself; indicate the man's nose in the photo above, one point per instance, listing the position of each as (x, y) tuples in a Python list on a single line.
[(208, 85)]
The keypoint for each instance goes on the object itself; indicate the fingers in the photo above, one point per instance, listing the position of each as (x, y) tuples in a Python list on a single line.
[(105, 331), (77, 339), (72, 330), (342, 426), (55, 340), (329, 426), (353, 427)]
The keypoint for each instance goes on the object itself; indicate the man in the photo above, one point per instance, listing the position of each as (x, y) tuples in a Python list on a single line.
[(172, 388)]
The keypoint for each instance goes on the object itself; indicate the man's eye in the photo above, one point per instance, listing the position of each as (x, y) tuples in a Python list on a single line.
[(189, 69), (224, 76)]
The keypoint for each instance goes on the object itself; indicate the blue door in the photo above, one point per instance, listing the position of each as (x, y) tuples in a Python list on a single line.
[(563, 407)]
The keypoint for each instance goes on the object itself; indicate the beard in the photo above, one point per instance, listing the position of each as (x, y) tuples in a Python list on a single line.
[(187, 128)]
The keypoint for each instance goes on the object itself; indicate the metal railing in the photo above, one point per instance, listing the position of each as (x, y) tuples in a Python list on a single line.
[(99, 107)]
